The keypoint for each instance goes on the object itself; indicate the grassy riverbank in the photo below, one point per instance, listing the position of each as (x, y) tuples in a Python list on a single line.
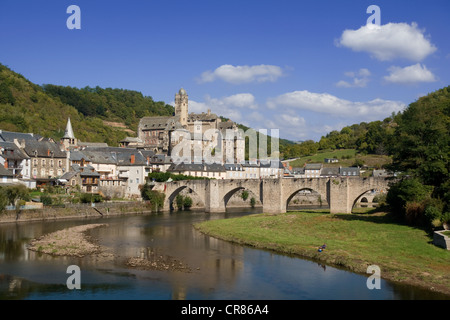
[(353, 241)]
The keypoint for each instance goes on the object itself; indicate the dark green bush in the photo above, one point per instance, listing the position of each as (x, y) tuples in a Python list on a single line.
[(46, 199), (187, 202)]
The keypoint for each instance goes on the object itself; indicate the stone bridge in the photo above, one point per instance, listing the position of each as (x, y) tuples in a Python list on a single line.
[(275, 194)]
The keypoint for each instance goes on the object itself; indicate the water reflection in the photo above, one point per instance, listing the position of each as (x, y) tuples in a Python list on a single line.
[(216, 269)]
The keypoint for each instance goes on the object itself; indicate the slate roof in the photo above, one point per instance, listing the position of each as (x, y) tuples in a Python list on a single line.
[(160, 123), (92, 144), (5, 172), (87, 171), (12, 151), (332, 171), (313, 166), (68, 175), (10, 136), (271, 164), (43, 149), (233, 167), (297, 170), (192, 117), (196, 167), (78, 156)]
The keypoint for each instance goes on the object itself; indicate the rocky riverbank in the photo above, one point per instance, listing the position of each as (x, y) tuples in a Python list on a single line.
[(154, 259), (74, 242)]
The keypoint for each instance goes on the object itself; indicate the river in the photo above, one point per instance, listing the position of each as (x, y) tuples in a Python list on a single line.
[(217, 270)]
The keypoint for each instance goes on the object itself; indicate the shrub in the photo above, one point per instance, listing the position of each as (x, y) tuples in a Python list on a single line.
[(155, 198), (446, 218), (414, 213), (244, 195), (46, 199), (3, 199), (404, 191), (380, 199), (89, 198), (358, 163), (187, 202), (252, 202), (179, 200)]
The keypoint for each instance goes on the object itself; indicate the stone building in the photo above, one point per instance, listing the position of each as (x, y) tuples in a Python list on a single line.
[(47, 160), (206, 131)]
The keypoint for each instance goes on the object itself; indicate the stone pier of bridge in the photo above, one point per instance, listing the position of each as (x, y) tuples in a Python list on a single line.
[(275, 194)]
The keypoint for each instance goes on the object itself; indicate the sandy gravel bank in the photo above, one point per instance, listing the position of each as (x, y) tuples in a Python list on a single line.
[(67, 242)]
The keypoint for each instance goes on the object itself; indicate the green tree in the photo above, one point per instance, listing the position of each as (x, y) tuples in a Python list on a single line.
[(252, 202), (179, 201), (3, 199), (421, 142), (155, 198), (187, 202)]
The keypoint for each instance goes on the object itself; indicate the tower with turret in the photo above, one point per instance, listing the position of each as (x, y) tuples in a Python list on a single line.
[(68, 140), (181, 106)]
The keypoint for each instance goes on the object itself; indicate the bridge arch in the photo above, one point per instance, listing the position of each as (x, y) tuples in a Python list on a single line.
[(231, 192), (171, 196), (364, 198), (321, 199)]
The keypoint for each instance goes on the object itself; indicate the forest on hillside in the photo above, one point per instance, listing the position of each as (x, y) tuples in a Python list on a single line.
[(44, 110)]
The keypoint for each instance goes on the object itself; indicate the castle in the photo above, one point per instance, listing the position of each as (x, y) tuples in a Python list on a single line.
[(207, 132)]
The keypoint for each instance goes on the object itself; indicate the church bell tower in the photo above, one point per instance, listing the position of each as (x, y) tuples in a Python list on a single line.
[(68, 140), (181, 106)]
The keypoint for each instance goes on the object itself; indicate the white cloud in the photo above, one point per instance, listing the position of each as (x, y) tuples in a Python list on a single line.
[(241, 100), (243, 74), (359, 79), (411, 74), (230, 107), (389, 41), (289, 126), (332, 105)]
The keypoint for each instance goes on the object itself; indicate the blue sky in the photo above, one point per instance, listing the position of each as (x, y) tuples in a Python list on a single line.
[(303, 67)]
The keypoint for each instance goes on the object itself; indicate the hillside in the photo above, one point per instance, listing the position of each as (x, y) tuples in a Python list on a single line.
[(27, 107), (346, 157)]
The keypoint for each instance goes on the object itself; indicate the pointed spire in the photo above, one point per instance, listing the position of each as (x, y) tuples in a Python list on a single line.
[(68, 134)]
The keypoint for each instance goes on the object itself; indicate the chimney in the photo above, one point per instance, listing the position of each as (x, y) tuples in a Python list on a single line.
[(132, 159), (209, 112), (6, 164), (48, 152)]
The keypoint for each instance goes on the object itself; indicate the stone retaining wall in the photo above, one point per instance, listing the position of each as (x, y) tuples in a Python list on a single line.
[(76, 211), (441, 240)]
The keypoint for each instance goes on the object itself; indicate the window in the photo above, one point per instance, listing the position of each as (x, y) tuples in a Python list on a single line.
[(35, 162), (43, 162), (137, 180)]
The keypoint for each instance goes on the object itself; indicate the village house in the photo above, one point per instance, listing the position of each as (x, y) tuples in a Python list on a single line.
[(313, 170), (212, 171), (83, 177), (15, 159), (349, 172), (48, 161)]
